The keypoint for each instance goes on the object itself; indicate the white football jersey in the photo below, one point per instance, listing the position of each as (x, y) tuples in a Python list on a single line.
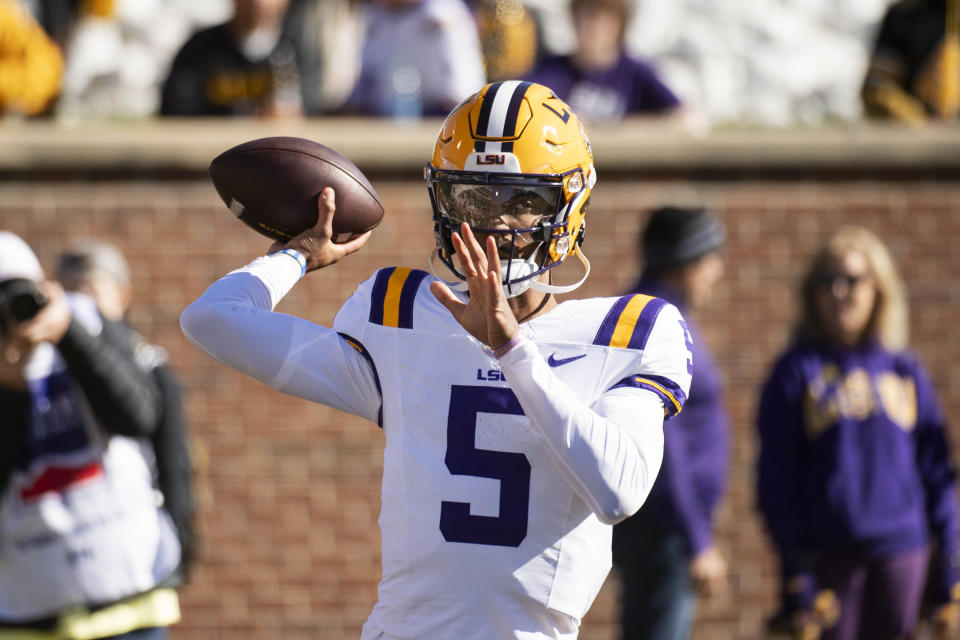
[(501, 478)]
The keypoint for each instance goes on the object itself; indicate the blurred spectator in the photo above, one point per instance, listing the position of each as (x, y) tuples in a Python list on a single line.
[(915, 67), (244, 67), (30, 62), (772, 63), (599, 80), (509, 38), (854, 476), (666, 551), (85, 549), (327, 35), (420, 57), (119, 51), (99, 270), (55, 16)]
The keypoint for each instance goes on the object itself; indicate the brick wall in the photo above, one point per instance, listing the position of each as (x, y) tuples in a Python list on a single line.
[(289, 491)]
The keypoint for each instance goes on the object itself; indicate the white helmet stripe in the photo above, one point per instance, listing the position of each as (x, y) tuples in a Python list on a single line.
[(499, 113), (501, 104)]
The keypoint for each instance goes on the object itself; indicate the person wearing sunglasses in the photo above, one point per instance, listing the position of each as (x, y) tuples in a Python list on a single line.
[(854, 478)]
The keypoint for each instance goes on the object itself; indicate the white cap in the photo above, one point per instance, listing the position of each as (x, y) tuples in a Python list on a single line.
[(17, 259)]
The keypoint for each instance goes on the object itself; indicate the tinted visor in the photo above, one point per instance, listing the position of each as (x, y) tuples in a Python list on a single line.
[(496, 207)]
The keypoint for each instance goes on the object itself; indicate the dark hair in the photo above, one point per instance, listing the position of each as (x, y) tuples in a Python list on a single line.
[(620, 7)]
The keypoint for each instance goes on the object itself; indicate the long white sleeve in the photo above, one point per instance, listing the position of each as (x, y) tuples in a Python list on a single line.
[(610, 452), (233, 322)]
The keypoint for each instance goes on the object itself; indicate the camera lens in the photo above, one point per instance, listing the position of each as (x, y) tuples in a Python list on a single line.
[(19, 301), (24, 306)]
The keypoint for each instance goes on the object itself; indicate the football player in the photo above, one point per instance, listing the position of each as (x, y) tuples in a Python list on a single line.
[(518, 429)]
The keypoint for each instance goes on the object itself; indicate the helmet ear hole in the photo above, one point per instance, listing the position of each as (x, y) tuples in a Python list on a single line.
[(582, 234)]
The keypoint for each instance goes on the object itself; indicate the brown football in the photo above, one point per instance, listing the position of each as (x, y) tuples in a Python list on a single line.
[(272, 185)]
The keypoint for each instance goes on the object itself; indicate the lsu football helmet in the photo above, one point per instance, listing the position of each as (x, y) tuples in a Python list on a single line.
[(513, 162)]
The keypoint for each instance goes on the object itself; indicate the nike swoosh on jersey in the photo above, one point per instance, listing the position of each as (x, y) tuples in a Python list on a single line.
[(554, 362)]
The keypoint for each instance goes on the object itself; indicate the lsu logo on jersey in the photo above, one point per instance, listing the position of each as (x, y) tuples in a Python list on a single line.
[(491, 375)]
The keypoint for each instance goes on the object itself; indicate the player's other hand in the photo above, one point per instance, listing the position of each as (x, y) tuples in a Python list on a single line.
[(486, 315), (316, 244), (708, 570)]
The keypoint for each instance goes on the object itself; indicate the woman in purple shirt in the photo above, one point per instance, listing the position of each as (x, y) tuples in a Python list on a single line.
[(854, 477)]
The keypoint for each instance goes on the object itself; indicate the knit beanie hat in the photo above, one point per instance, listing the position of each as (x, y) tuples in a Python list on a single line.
[(677, 235)]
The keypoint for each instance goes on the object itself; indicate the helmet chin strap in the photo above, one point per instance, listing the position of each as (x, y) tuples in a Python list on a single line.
[(515, 267), (456, 285), (536, 285)]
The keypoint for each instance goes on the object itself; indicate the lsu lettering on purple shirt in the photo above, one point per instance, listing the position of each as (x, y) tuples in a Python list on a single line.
[(854, 457)]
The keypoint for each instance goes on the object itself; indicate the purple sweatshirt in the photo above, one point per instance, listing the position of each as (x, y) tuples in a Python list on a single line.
[(693, 476), (629, 87), (854, 458)]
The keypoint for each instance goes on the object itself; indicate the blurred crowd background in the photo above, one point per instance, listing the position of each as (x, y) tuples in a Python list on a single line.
[(736, 62)]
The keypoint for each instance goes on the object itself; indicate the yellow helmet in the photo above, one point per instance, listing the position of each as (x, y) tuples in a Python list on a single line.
[(513, 161)]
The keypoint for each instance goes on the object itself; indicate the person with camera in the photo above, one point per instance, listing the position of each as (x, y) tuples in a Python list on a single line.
[(85, 550)]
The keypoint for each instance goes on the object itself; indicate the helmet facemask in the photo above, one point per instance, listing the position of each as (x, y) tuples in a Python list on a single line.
[(525, 214)]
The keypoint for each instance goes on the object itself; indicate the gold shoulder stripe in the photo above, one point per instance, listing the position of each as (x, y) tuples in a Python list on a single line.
[(391, 302), (628, 321)]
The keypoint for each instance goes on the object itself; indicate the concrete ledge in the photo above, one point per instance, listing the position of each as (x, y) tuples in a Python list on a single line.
[(378, 146)]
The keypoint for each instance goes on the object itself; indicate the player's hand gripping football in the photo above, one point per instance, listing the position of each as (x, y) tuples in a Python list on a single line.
[(486, 315), (316, 244)]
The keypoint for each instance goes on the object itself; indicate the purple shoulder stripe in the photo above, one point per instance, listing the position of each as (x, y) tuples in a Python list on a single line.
[(669, 391), (641, 331)]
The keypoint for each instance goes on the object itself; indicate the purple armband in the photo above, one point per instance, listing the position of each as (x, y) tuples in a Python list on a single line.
[(518, 339)]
